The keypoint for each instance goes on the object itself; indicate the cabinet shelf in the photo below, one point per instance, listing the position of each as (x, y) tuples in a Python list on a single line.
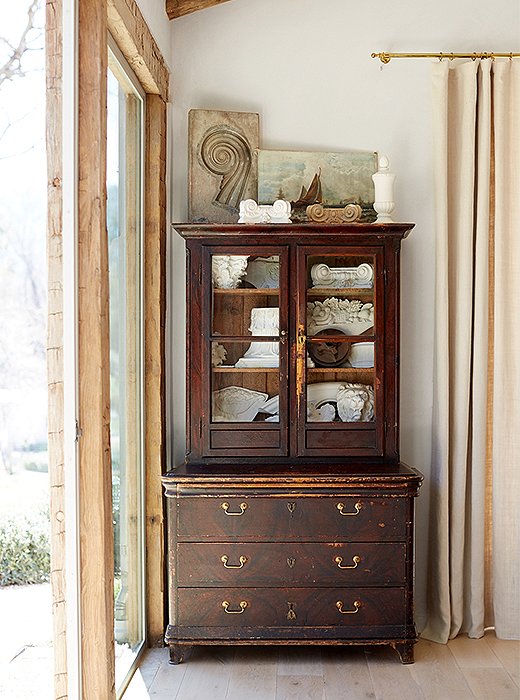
[(246, 292), (358, 292), (245, 370)]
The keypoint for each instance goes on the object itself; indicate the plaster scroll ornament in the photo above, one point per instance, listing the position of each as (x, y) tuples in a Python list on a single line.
[(236, 404), (264, 273), (228, 270), (349, 317), (321, 414), (334, 215), (361, 276), (355, 403), (384, 191), (264, 321), (253, 213), (218, 354)]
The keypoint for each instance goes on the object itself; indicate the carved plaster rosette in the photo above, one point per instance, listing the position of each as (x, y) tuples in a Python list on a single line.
[(355, 402), (350, 317), (264, 273), (361, 276), (334, 215), (253, 213), (228, 270), (235, 404)]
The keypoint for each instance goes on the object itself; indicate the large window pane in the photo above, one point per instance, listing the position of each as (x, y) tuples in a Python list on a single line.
[(124, 217)]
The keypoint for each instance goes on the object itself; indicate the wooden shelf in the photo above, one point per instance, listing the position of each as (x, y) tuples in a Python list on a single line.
[(358, 292), (243, 370), (246, 292), (346, 370)]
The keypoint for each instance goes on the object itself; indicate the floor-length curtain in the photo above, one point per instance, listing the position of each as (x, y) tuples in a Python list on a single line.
[(474, 106)]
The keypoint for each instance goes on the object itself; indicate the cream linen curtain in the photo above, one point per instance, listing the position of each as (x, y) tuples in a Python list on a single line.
[(474, 556)]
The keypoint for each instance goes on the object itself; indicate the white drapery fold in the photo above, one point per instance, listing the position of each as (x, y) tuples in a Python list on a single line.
[(476, 166)]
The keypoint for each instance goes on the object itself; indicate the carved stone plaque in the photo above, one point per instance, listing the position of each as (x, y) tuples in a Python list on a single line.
[(222, 170)]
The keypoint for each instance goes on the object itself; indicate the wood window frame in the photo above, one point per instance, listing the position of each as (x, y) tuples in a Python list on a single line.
[(94, 634)]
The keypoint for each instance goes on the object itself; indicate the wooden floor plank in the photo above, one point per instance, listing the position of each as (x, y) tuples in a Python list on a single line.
[(300, 661), (253, 674), (299, 688), (391, 679), (495, 683), (346, 674), (168, 679), (508, 652), (437, 673), (472, 653), (208, 671)]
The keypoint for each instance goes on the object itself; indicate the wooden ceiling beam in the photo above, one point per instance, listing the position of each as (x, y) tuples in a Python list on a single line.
[(178, 8)]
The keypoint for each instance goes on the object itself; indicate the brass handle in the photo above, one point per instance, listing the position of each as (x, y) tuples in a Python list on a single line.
[(355, 559), (224, 559), (357, 604), (226, 604), (357, 508), (225, 507)]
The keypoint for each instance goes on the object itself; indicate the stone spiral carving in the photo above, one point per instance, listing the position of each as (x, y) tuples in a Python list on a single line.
[(333, 215), (336, 277), (226, 153)]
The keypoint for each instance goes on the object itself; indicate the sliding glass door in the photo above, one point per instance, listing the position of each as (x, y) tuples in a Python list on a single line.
[(125, 113)]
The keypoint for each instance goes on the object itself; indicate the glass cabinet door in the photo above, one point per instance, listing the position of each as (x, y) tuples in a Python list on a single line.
[(248, 351), (339, 352)]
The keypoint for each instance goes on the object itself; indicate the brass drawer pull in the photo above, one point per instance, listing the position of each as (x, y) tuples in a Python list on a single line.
[(357, 605), (355, 559), (357, 508), (242, 604), (225, 507), (224, 559)]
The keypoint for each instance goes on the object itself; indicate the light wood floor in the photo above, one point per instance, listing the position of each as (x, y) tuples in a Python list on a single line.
[(465, 669)]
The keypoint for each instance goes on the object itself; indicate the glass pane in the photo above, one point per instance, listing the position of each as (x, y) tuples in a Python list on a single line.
[(124, 213), (340, 338), (245, 295), (245, 382)]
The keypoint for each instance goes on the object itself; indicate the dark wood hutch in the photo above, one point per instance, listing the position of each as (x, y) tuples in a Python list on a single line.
[(291, 520)]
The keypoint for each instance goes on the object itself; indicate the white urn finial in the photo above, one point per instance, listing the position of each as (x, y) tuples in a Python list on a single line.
[(384, 191)]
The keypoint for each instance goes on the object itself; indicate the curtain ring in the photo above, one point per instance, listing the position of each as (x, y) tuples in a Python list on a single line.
[(441, 56), (452, 57)]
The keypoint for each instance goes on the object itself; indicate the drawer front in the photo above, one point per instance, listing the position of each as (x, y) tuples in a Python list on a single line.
[(286, 563), (286, 607), (243, 518)]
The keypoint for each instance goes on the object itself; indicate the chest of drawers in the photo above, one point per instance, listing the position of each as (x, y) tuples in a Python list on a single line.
[(278, 558)]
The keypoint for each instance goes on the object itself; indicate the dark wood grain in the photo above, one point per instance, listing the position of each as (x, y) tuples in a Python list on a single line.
[(313, 519), (291, 563)]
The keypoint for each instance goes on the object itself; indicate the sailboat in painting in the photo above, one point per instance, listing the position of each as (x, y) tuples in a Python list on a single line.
[(311, 196)]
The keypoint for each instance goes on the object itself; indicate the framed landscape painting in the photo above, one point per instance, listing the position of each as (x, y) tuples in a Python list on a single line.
[(312, 177)]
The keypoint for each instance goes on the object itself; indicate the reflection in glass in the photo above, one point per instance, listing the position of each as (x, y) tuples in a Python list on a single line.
[(245, 381), (124, 227)]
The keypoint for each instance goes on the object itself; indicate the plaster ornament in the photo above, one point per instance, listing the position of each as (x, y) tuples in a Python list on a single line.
[(361, 276), (361, 355), (218, 354), (334, 215), (384, 191), (236, 404), (355, 403), (264, 321), (264, 273), (277, 213), (322, 414), (349, 317), (228, 270)]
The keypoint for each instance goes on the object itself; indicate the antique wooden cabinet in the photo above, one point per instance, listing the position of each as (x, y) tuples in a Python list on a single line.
[(291, 520)]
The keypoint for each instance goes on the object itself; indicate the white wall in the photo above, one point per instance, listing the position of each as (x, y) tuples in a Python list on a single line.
[(305, 66)]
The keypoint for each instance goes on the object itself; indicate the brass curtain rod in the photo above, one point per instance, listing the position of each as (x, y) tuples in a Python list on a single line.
[(385, 57)]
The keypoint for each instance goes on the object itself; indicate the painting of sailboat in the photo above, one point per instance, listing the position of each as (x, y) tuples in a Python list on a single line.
[(312, 177)]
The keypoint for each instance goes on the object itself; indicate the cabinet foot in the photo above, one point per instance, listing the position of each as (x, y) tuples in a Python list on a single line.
[(177, 654), (405, 651)]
